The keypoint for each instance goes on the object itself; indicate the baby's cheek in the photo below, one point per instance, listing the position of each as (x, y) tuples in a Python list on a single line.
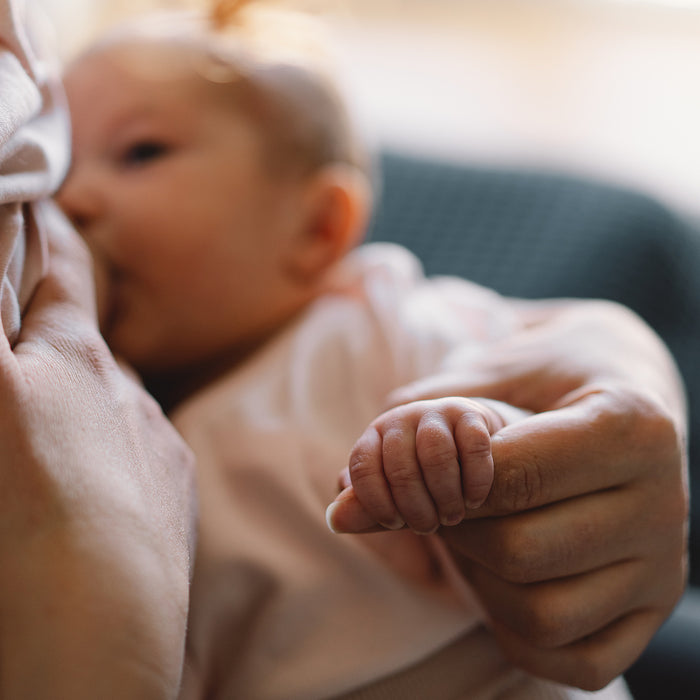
[(102, 293)]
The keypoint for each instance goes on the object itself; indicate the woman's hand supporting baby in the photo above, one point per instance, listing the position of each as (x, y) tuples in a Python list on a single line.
[(96, 507), (578, 553)]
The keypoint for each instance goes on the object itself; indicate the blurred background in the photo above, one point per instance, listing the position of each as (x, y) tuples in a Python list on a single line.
[(608, 88)]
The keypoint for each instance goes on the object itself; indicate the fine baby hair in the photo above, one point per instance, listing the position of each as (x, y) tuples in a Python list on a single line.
[(222, 142), (274, 65)]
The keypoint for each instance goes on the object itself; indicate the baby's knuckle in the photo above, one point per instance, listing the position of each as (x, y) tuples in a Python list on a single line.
[(476, 436), (399, 464), (400, 473), (436, 458), (478, 444), (361, 464), (434, 442)]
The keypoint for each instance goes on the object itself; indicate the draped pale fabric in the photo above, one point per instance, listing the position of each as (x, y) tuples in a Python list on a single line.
[(282, 609), (34, 153)]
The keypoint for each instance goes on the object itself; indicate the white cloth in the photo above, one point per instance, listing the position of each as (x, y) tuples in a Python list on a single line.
[(34, 153), (282, 609)]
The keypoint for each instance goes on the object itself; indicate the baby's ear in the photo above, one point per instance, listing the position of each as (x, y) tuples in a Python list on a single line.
[(337, 202)]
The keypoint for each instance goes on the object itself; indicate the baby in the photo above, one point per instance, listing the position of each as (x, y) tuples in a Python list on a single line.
[(223, 192)]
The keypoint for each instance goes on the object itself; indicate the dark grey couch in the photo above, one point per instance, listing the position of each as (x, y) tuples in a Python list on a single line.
[(538, 235)]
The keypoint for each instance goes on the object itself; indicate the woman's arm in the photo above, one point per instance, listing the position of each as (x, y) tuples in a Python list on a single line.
[(579, 552), (96, 488), (96, 507), (562, 346)]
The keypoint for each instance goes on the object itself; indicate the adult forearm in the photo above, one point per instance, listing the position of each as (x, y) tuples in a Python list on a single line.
[(587, 342), (90, 615), (561, 346), (97, 503)]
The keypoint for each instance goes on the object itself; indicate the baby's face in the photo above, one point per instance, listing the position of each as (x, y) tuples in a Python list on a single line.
[(168, 189)]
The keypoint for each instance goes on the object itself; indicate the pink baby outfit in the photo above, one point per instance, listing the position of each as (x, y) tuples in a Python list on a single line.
[(283, 609)]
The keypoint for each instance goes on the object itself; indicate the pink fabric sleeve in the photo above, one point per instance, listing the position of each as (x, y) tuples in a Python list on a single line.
[(34, 153)]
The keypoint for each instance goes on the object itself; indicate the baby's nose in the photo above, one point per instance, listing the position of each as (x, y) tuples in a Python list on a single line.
[(80, 201)]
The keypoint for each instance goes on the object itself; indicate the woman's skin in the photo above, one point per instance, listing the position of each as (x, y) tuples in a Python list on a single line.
[(96, 506), (579, 552)]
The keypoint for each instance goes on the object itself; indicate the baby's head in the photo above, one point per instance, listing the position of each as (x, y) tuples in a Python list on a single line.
[(216, 179)]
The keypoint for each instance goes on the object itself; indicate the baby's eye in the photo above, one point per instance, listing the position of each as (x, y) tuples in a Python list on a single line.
[(142, 152)]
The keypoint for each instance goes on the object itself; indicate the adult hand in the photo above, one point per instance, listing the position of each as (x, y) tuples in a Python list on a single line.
[(579, 552), (96, 506)]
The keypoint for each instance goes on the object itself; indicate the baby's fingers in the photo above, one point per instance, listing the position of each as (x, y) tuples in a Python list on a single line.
[(406, 476), (473, 439), (366, 472), (439, 461)]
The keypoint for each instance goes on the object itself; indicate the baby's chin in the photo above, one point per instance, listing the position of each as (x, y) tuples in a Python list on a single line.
[(137, 345)]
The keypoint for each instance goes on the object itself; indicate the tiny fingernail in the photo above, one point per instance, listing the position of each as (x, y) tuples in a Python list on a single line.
[(395, 524), (450, 520), (329, 517), (431, 531)]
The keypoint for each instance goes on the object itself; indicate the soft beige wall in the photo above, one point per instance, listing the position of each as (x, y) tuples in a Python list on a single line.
[(610, 88), (76, 21)]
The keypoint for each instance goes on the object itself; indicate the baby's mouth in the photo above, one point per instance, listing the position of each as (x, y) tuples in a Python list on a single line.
[(106, 288)]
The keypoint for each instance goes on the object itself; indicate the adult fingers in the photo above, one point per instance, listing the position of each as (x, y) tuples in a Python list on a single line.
[(591, 662), (559, 612), (561, 579), (575, 630), (607, 437), (65, 298), (567, 538)]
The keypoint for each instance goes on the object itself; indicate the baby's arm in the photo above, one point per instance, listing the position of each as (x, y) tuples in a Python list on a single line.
[(422, 464)]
